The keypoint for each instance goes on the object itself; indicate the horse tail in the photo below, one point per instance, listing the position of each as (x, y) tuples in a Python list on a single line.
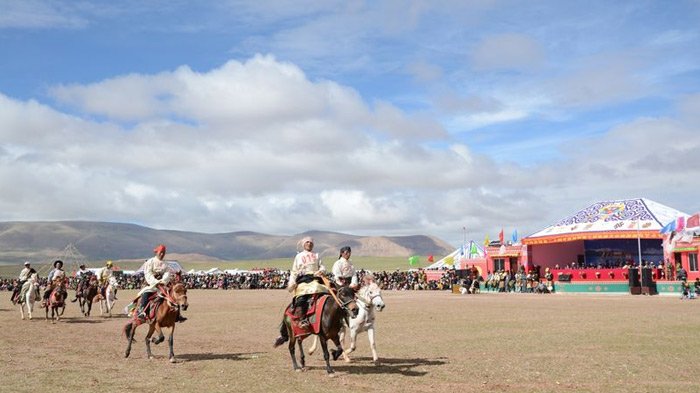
[(284, 335)]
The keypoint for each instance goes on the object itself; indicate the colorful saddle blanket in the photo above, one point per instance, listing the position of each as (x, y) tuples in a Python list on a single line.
[(151, 307), (313, 315)]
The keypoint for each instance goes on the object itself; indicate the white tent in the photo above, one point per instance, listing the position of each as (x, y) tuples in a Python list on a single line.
[(235, 271), (471, 250), (214, 270)]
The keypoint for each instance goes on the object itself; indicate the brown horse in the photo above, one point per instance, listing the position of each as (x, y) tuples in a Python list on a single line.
[(88, 295), (333, 316), (165, 316), (57, 300)]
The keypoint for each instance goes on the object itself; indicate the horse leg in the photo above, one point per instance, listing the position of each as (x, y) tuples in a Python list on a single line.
[(292, 352), (171, 339), (160, 338), (326, 355), (89, 308), (302, 357), (343, 334), (151, 328), (129, 330), (21, 310), (30, 306), (372, 345)]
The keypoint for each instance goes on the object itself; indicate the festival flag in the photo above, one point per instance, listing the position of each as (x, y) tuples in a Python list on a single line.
[(668, 228), (500, 236), (693, 221), (430, 258), (514, 237), (473, 250), (680, 224), (413, 260), (486, 240)]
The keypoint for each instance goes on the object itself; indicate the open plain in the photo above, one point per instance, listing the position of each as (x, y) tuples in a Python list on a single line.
[(427, 341)]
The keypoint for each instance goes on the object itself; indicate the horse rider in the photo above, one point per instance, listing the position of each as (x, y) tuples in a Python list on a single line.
[(304, 279), (55, 279), (344, 271), (23, 277), (156, 272), (103, 279), (82, 276)]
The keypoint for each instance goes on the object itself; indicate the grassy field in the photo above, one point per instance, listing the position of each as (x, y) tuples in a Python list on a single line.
[(427, 341), (370, 263)]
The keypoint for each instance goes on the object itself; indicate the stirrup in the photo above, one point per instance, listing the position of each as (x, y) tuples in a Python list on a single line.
[(303, 323)]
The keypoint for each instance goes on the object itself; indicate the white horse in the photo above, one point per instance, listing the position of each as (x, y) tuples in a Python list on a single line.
[(369, 299), (107, 302), (28, 295)]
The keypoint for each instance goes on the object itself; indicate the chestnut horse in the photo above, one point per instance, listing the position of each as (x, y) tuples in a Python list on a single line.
[(57, 300), (332, 317), (165, 316)]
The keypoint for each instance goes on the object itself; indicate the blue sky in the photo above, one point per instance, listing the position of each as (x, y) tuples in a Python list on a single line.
[(377, 117)]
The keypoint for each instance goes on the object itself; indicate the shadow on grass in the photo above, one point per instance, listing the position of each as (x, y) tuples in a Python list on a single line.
[(399, 366), (198, 357)]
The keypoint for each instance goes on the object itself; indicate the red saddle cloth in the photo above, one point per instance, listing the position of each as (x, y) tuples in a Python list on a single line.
[(313, 315), (151, 307)]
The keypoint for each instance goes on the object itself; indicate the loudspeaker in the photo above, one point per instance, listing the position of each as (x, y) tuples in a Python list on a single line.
[(646, 278), (563, 277), (634, 278)]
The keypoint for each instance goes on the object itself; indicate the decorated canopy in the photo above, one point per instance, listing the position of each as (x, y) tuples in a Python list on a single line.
[(468, 251), (616, 219)]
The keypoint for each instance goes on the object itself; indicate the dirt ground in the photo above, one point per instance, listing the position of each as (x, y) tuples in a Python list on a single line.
[(427, 341)]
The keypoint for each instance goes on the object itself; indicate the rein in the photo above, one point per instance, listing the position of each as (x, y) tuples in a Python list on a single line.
[(168, 298), (337, 301)]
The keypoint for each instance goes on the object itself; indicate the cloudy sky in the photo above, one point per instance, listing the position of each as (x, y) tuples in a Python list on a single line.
[(363, 117)]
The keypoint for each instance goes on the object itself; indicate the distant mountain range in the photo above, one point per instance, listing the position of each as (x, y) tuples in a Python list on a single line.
[(44, 241)]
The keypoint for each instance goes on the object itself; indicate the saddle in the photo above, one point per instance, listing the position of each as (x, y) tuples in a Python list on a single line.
[(313, 315), (154, 300)]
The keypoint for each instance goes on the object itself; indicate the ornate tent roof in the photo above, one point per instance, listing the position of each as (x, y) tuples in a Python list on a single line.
[(615, 219)]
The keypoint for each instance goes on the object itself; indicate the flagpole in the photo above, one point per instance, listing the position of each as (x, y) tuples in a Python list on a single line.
[(464, 230), (639, 245)]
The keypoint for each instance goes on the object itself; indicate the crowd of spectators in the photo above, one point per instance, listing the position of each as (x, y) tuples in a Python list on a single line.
[(272, 279)]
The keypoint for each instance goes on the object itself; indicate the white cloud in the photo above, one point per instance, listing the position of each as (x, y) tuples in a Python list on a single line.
[(257, 145), (507, 52)]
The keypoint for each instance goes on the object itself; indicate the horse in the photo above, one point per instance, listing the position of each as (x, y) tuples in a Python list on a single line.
[(334, 312), (88, 296), (83, 283), (369, 299), (165, 316), (107, 301), (27, 296), (57, 300)]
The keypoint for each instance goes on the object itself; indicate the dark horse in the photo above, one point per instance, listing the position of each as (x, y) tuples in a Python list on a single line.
[(332, 319), (83, 283), (86, 295), (165, 316), (57, 300)]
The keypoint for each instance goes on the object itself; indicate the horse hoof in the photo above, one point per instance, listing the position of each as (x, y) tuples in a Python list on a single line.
[(151, 357), (347, 360), (173, 360), (23, 318), (331, 374)]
